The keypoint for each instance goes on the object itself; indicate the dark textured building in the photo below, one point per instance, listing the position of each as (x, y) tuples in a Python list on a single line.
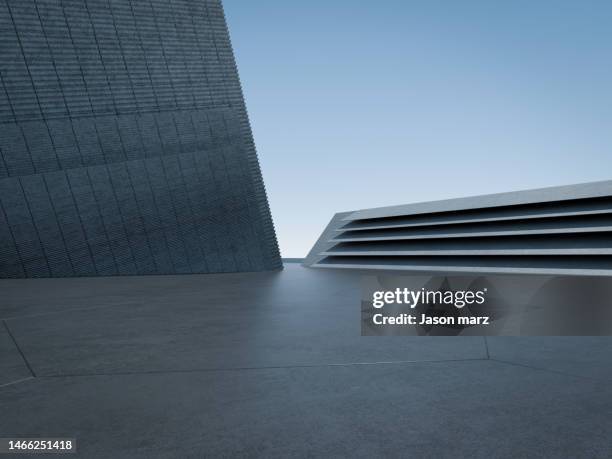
[(125, 144)]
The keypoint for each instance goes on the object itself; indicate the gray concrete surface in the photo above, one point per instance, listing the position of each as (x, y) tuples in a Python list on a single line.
[(12, 365), (513, 198), (272, 365)]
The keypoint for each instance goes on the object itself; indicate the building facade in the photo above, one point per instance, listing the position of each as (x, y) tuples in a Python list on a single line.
[(125, 144), (565, 230)]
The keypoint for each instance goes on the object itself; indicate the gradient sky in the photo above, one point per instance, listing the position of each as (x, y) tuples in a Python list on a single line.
[(359, 104)]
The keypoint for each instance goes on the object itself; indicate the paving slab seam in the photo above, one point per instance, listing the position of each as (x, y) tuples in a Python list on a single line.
[(49, 313), (275, 367), (23, 357), (486, 343), (533, 367), (12, 383)]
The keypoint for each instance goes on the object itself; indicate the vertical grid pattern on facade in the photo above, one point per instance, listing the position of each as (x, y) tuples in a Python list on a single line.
[(125, 143)]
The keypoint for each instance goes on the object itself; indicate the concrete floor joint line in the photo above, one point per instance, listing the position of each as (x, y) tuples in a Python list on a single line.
[(486, 343), (12, 383), (65, 311), (23, 357), (532, 367), (277, 367)]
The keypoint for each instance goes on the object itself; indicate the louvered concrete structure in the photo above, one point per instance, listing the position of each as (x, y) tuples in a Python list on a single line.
[(559, 230)]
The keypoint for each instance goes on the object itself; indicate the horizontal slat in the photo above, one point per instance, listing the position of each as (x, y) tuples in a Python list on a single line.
[(458, 252), (550, 265), (584, 224), (594, 206), (497, 200), (573, 244)]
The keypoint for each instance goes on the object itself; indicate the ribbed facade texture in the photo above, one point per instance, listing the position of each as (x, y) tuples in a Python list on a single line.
[(563, 230), (125, 144)]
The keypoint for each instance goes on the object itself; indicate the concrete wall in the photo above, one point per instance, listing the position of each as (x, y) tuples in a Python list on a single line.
[(125, 144)]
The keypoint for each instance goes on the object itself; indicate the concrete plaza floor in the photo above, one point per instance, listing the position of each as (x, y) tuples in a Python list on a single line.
[(273, 365)]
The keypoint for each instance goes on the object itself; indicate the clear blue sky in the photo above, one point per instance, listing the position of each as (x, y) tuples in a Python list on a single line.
[(359, 104)]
